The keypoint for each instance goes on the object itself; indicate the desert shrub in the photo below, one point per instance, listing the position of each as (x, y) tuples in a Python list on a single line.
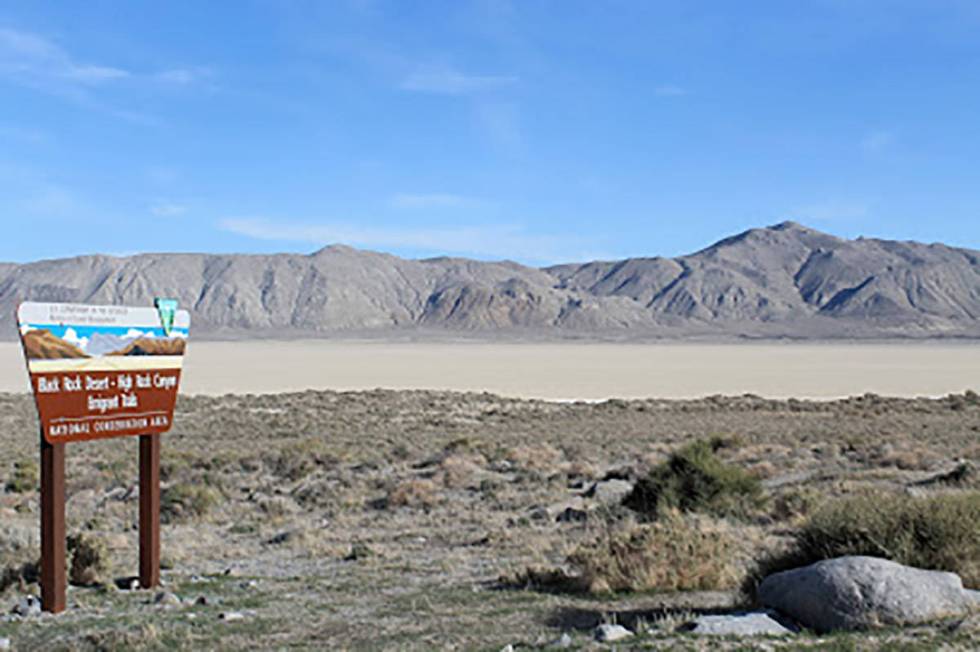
[(936, 532), (460, 470), (297, 460), (418, 493), (542, 458), (694, 479), (183, 501), (795, 503), (19, 574), (89, 559), (26, 477)]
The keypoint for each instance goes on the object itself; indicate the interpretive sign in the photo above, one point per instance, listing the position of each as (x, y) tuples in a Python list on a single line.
[(97, 372), (103, 371)]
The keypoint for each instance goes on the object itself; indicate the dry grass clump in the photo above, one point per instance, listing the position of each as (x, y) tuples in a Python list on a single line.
[(936, 532), (296, 460), (677, 553), (185, 501), (543, 458), (26, 477), (461, 470), (416, 493), (89, 559), (694, 479)]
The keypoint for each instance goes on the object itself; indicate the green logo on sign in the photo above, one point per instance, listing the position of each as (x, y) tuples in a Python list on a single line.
[(168, 310)]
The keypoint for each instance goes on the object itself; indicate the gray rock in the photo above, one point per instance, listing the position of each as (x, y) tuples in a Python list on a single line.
[(28, 606), (572, 515), (758, 623), (231, 616), (610, 633), (610, 492), (5, 644), (973, 597), (166, 599), (851, 593), (562, 642)]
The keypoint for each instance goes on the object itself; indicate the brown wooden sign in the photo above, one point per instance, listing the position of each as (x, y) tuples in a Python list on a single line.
[(97, 372), (102, 371)]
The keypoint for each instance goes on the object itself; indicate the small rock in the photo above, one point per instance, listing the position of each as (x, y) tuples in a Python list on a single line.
[(127, 583), (562, 642), (166, 599), (359, 551), (855, 592), (28, 606), (5, 644), (202, 601), (572, 515), (610, 633), (610, 492), (758, 623), (231, 616), (507, 648), (540, 514), (251, 584)]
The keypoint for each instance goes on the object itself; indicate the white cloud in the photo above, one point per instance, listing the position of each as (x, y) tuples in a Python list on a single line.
[(831, 211), (72, 337), (669, 90), (167, 209), (448, 81), (428, 200), (32, 58), (504, 241), (134, 333)]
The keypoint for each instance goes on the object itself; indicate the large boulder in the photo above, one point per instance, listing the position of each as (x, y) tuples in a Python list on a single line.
[(850, 593)]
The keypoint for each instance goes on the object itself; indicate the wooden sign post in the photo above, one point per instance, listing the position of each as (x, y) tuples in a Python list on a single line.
[(100, 372)]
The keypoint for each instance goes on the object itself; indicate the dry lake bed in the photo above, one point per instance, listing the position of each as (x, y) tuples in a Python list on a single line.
[(565, 371)]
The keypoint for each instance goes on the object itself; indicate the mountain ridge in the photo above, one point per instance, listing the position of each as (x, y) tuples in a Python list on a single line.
[(781, 281)]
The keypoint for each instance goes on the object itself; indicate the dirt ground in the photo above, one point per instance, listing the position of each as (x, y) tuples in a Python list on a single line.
[(386, 519)]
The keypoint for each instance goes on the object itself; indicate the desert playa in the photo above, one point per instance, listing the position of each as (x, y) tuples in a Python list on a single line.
[(570, 371)]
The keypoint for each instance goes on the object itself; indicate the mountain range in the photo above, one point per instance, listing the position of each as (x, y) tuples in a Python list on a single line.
[(782, 281)]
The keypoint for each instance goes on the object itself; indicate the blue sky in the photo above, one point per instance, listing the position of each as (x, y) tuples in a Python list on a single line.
[(536, 131)]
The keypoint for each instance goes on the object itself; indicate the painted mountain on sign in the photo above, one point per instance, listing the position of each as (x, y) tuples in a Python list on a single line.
[(785, 280), (42, 345), (153, 346)]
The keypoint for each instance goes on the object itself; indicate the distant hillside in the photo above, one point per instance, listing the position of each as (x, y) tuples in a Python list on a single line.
[(782, 281)]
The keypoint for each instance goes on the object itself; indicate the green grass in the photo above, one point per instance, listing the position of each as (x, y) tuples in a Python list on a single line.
[(694, 479), (185, 501), (26, 477)]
